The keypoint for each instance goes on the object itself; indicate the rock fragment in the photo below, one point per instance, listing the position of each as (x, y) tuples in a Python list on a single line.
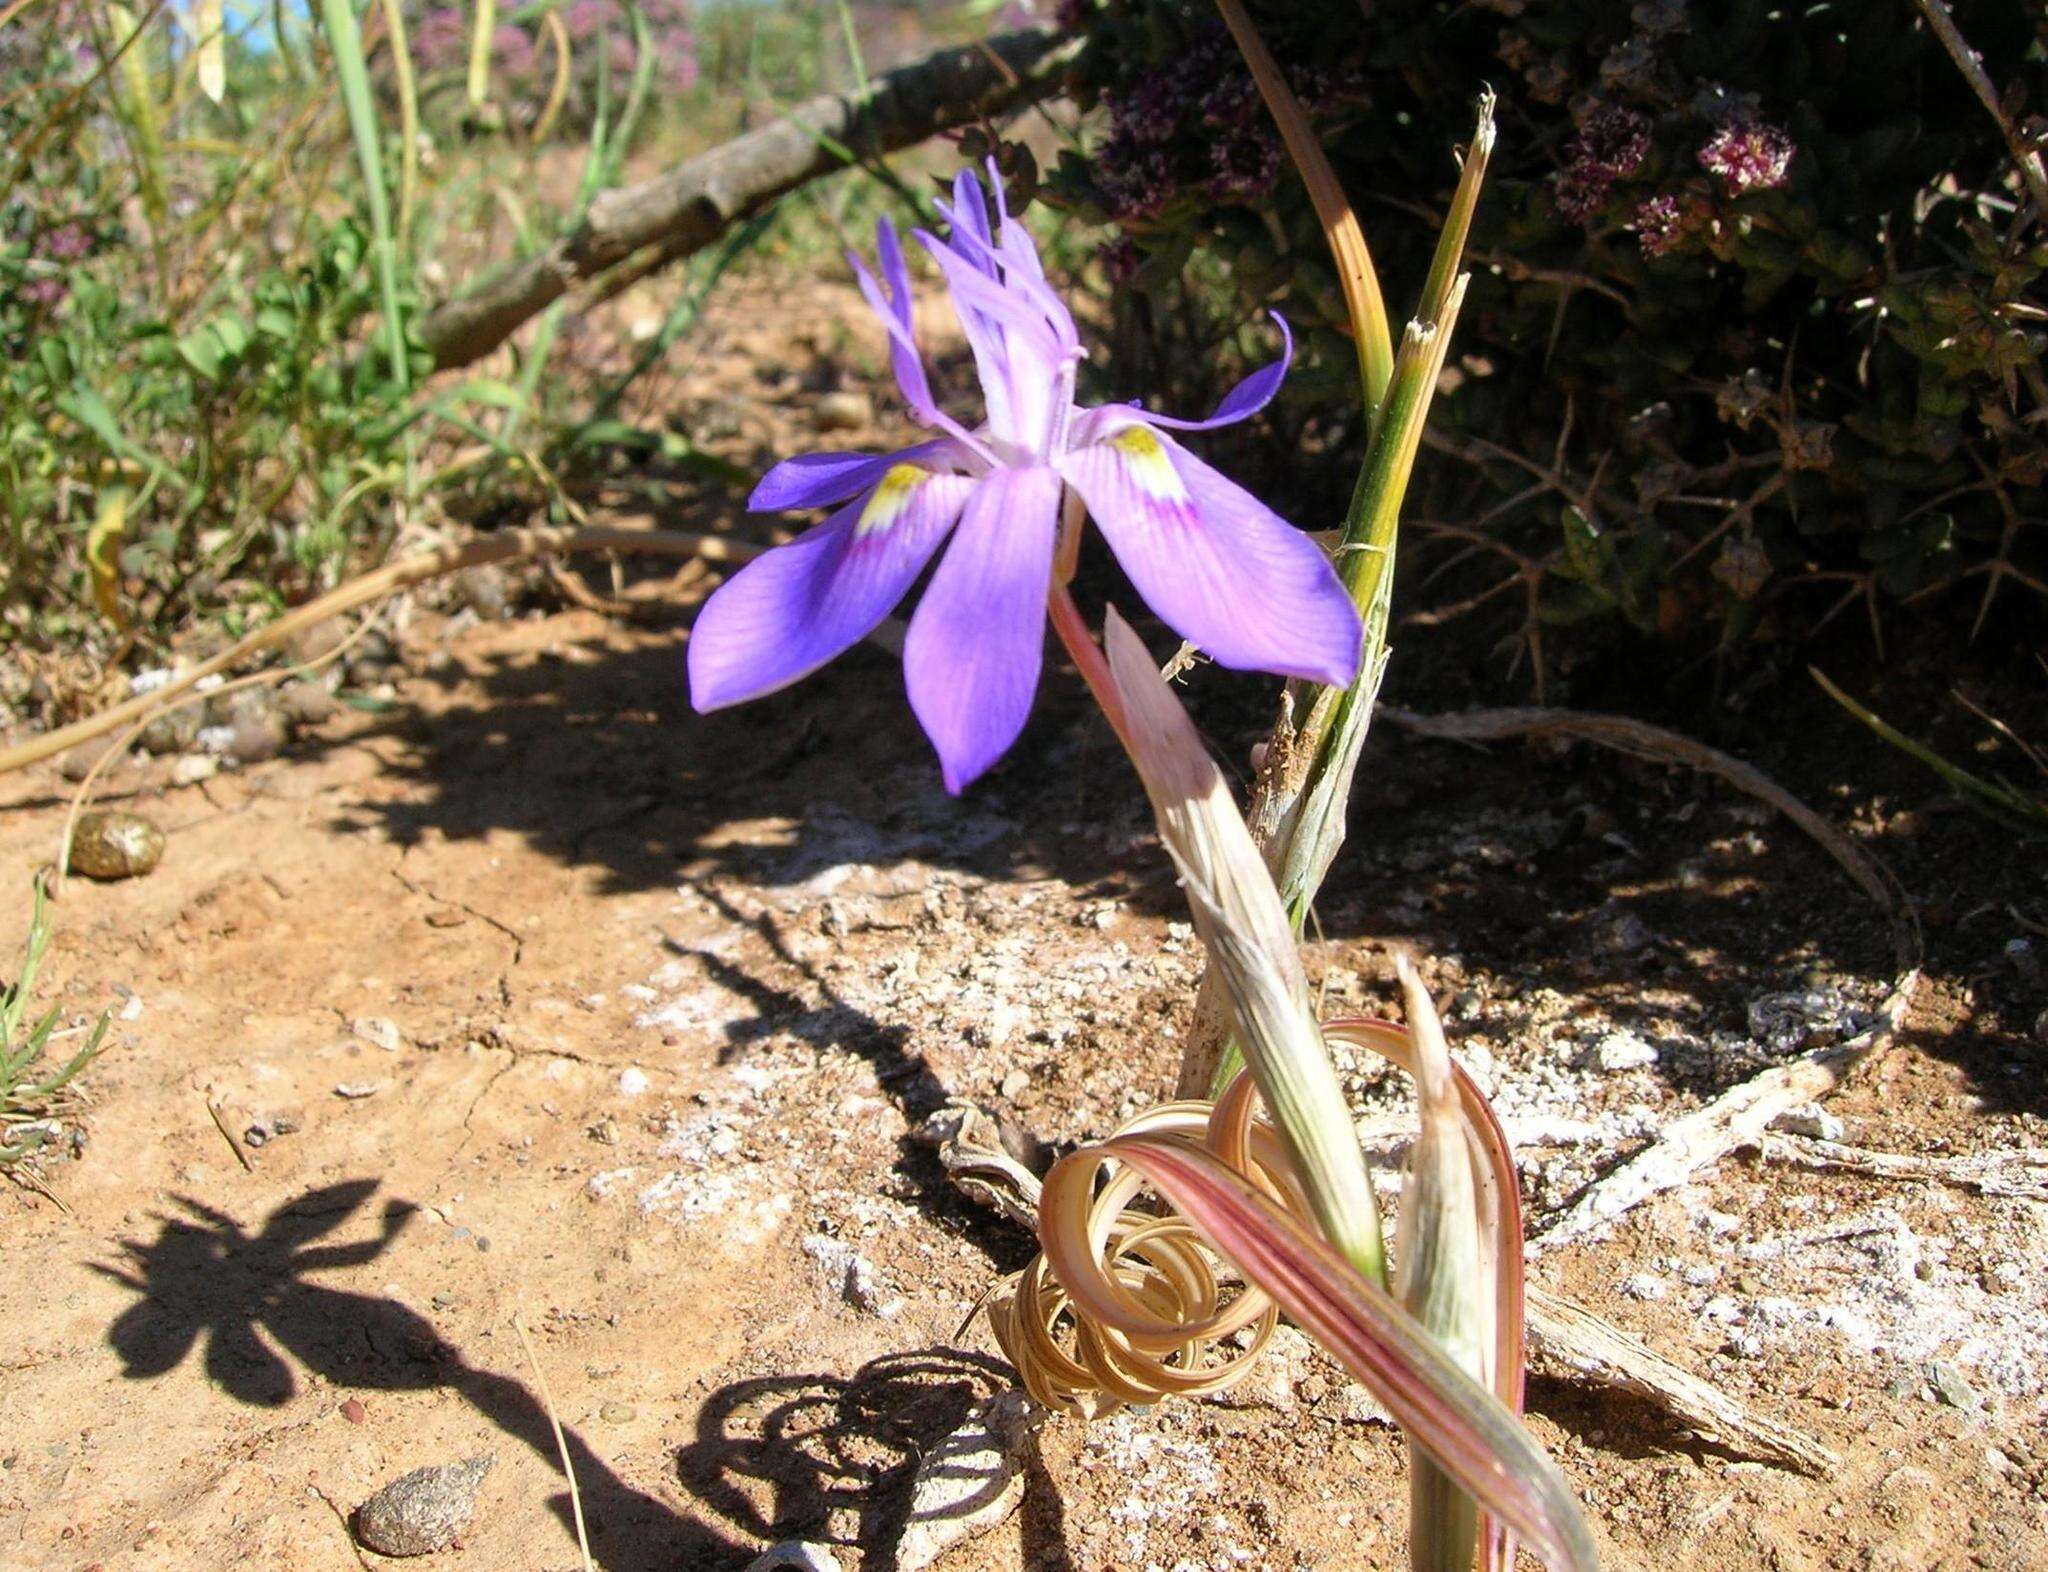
[(843, 412), (423, 1511), (171, 732), (111, 843), (1810, 1119), (80, 761), (306, 703), (968, 1483), (378, 1031), (798, 1555), (853, 1276)]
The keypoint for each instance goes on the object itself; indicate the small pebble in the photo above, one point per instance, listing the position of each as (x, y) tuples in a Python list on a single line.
[(243, 704), (633, 1082), (843, 412), (795, 1555), (355, 1091), (192, 768), (307, 703), (1015, 1083), (257, 738), (353, 1411), (617, 1413), (1953, 1388), (378, 1032), (423, 1511), (968, 1483), (111, 843), (487, 591), (1810, 1119), (309, 644), (1624, 1051), (79, 762), (171, 732)]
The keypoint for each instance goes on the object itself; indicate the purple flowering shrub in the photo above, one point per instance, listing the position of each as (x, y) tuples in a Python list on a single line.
[(1754, 284), (600, 35)]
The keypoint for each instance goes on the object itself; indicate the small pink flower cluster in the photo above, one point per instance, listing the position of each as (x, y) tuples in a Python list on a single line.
[(1197, 125), (1748, 155), (1611, 144)]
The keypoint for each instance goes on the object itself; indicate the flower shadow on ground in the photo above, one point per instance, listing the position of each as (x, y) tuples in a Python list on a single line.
[(774, 1457), (832, 1457), (251, 1300)]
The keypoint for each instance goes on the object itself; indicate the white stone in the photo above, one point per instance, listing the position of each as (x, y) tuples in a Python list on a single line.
[(801, 1555), (633, 1082), (378, 1032), (1623, 1050), (1812, 1120), (853, 1276), (968, 1483)]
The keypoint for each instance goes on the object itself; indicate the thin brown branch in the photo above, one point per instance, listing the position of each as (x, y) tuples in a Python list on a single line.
[(1971, 64), (503, 546), (688, 208)]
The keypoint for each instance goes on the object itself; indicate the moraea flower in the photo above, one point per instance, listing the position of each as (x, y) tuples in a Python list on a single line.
[(1218, 566)]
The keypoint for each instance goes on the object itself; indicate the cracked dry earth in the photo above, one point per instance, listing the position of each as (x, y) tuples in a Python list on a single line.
[(538, 997)]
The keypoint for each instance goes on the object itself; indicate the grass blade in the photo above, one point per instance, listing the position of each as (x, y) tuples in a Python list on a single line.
[(345, 44)]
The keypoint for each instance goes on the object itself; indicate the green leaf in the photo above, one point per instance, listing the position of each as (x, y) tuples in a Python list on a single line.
[(201, 350)]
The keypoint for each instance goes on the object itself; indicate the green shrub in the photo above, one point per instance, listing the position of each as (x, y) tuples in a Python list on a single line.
[(1756, 326)]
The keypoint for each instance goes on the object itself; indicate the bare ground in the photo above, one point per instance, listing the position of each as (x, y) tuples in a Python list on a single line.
[(548, 999)]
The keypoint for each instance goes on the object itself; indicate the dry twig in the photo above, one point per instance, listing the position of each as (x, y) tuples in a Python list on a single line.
[(687, 209), (1569, 1342), (1739, 1116), (503, 546)]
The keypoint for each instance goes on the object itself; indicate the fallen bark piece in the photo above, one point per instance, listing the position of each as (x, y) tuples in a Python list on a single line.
[(2022, 1174), (1568, 1341), (423, 1511), (970, 1150), (1738, 1117), (968, 1483)]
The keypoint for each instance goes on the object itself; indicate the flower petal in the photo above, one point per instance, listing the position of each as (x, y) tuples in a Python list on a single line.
[(976, 642), (1222, 569), (1245, 400), (893, 306), (817, 480), (792, 609)]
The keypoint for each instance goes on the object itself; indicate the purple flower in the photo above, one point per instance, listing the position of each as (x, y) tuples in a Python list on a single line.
[(1245, 166), (585, 18), (1610, 145), (512, 50), (66, 243), (441, 36), (1613, 140), (1137, 181), (1748, 156), (1659, 223), (1219, 567)]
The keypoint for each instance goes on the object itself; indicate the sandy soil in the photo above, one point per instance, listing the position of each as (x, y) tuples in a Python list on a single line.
[(546, 999)]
